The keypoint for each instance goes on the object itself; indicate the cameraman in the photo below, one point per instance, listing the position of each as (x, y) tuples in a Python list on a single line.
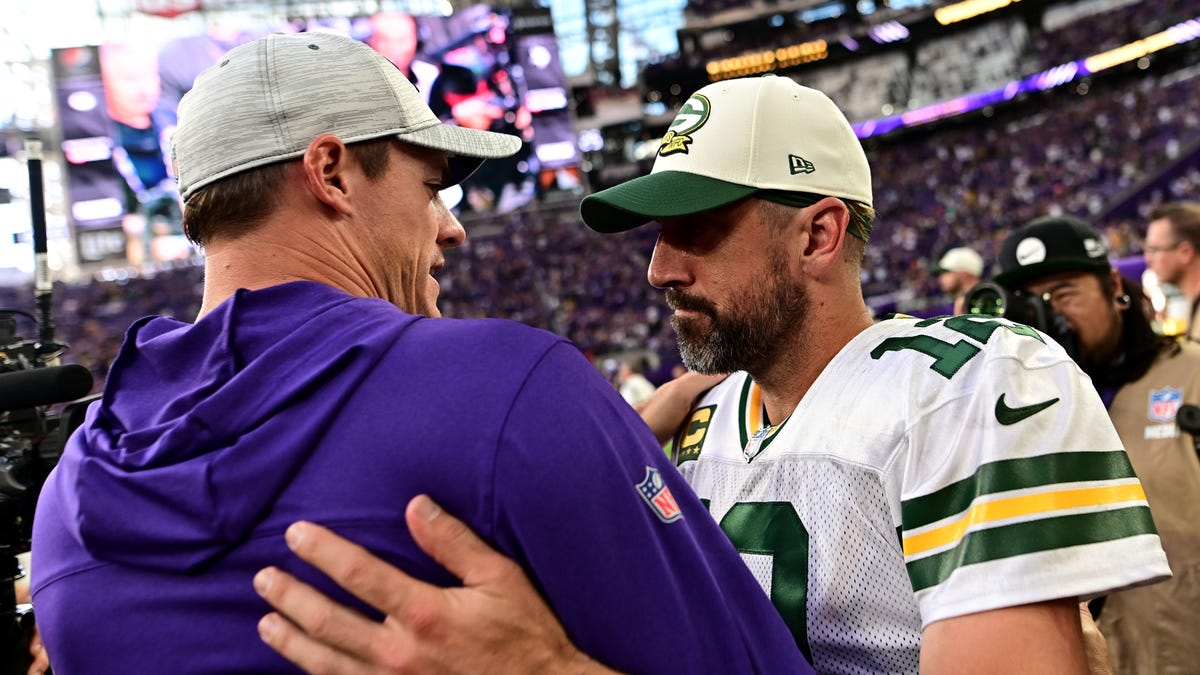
[(39, 662), (1057, 276)]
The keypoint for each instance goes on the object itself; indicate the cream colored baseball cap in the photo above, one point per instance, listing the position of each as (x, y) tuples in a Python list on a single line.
[(735, 138), (960, 259)]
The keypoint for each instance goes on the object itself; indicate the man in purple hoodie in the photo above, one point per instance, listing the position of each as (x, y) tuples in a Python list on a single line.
[(315, 386)]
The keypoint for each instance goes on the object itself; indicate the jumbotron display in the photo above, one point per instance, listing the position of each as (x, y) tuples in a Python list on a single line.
[(486, 68)]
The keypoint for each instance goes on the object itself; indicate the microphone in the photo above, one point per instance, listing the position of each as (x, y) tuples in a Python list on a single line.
[(1188, 418), (42, 386)]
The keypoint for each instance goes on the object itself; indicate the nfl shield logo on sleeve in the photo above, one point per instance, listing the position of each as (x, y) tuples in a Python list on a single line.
[(659, 497), (1164, 404)]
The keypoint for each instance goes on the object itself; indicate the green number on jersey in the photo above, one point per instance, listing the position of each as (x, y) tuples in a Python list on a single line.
[(949, 358), (980, 330), (774, 529)]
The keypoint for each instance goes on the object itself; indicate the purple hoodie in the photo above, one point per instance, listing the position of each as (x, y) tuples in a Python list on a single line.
[(302, 402)]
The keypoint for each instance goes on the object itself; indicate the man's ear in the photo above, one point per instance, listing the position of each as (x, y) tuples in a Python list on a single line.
[(1188, 247), (1120, 295), (327, 166), (827, 235)]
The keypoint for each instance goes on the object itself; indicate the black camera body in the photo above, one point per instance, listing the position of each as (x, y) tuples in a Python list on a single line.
[(991, 299), (32, 436)]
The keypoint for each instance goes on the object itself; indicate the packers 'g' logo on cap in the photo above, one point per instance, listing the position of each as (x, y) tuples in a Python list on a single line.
[(690, 117)]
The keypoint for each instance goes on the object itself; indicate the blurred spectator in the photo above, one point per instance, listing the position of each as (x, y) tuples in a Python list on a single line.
[(1100, 317), (1172, 252), (957, 271), (632, 384)]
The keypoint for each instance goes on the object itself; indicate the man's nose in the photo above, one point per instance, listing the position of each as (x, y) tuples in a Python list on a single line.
[(451, 233), (669, 266)]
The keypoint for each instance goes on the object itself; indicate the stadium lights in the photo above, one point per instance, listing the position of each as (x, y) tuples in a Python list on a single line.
[(968, 9), (1175, 35), (1049, 79), (892, 31), (767, 61)]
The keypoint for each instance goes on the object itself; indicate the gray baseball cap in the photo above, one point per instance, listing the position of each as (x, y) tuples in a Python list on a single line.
[(265, 101)]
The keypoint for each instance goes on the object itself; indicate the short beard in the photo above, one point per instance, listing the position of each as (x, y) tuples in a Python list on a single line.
[(740, 340)]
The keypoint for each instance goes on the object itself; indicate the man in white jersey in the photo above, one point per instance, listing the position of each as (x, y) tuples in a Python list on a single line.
[(912, 494)]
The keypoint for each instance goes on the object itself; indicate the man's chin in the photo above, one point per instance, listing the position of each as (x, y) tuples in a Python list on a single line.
[(690, 322)]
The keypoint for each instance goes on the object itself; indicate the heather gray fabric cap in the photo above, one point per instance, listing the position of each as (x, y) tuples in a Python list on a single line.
[(265, 101)]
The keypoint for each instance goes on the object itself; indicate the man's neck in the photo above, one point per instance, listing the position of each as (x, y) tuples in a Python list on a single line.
[(1189, 285), (789, 377), (278, 252)]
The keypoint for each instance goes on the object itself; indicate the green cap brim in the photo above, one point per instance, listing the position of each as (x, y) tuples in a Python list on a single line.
[(1019, 276), (664, 194)]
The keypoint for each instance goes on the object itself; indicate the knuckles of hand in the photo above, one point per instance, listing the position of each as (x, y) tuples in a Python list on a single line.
[(422, 620)]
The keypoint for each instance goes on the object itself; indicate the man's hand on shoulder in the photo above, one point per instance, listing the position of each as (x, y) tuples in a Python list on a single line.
[(664, 411), (496, 622)]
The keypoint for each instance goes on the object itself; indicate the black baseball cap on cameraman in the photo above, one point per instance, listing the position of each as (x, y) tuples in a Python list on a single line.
[(1047, 246)]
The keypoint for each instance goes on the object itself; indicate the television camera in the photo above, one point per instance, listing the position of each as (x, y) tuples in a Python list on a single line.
[(33, 428), (991, 299)]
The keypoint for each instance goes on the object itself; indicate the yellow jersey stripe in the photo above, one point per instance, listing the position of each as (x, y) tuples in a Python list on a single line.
[(1013, 507)]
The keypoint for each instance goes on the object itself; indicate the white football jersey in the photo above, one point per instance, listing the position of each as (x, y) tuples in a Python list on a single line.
[(936, 468)]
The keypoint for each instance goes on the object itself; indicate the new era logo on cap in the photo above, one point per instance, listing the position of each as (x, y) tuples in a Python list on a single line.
[(800, 165), (1095, 248)]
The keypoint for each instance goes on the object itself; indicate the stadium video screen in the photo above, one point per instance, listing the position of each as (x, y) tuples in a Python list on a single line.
[(495, 69)]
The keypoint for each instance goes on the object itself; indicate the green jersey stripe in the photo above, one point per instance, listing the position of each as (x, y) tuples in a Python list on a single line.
[(1017, 539), (1014, 474)]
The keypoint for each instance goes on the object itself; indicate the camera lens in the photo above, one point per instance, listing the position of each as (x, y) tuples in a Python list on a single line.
[(986, 299)]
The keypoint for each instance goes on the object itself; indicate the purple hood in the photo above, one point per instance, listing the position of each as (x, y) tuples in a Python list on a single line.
[(189, 477)]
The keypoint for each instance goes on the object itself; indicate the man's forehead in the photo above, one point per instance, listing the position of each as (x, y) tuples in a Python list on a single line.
[(1060, 280), (1161, 226)]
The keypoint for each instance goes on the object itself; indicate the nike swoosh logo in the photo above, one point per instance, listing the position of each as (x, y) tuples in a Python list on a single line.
[(1006, 415)]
